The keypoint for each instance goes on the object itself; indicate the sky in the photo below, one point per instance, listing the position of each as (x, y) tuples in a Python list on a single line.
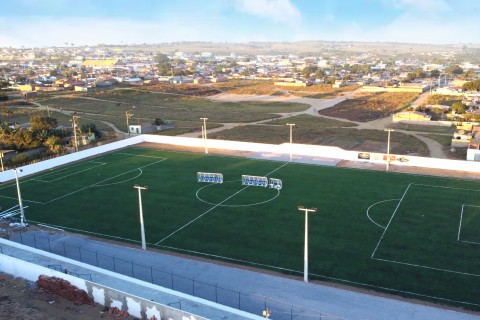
[(45, 23)]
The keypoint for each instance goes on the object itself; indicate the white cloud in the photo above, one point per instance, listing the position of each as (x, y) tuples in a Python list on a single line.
[(423, 5), (279, 10)]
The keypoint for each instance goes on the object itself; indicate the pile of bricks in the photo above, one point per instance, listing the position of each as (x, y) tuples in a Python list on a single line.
[(64, 289), (119, 313)]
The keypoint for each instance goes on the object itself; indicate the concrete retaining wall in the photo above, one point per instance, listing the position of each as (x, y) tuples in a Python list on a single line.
[(72, 157), (286, 148)]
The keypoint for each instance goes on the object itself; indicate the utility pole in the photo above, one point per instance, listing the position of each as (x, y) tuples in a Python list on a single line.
[(74, 121), (128, 115)]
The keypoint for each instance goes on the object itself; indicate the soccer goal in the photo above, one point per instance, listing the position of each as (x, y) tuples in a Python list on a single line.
[(275, 183), (209, 177), (254, 181)]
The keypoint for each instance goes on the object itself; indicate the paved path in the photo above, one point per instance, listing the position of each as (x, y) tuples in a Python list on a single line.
[(315, 299)]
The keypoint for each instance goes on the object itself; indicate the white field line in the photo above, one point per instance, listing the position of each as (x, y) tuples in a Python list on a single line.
[(48, 226), (368, 213), (140, 155), (68, 175), (215, 206), (460, 224), (191, 221), (319, 275), (66, 168), (233, 205), (24, 200), (471, 242), (453, 188), (83, 231), (391, 218), (99, 182), (430, 268)]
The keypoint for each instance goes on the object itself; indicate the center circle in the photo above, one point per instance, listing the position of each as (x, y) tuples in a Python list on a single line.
[(232, 195)]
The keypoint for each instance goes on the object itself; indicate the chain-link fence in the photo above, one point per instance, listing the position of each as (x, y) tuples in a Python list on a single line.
[(251, 303)]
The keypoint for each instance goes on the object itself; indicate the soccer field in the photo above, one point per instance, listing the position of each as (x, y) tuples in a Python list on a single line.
[(411, 235)]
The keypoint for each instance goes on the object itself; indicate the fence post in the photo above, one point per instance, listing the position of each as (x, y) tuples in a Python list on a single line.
[(96, 257), (193, 286), (239, 301), (216, 299), (114, 267), (172, 279), (49, 247), (21, 237), (151, 273), (34, 241), (133, 274), (80, 253), (64, 250)]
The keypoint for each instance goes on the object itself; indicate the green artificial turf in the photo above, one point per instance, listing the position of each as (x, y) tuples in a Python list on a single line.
[(411, 235)]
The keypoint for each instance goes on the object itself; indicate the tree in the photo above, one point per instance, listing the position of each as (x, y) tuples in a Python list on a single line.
[(435, 73), (163, 64), (454, 70), (43, 123), (457, 108), (158, 122), (54, 144), (319, 73), (308, 70), (471, 86), (470, 74)]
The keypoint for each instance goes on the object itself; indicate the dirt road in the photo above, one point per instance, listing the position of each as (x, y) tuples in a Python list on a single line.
[(435, 148)]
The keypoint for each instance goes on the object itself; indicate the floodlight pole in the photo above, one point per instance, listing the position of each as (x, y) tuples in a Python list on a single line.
[(142, 229), (74, 119), (291, 125), (20, 203), (388, 148), (305, 254), (204, 135)]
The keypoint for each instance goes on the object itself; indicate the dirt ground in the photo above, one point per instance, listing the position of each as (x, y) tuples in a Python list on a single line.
[(22, 300)]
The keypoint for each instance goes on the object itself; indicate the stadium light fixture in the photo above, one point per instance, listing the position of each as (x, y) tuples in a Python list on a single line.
[(204, 133), (291, 125), (305, 255), (388, 148), (20, 203), (142, 228)]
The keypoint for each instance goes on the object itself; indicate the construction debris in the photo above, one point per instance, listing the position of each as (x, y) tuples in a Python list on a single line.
[(64, 289)]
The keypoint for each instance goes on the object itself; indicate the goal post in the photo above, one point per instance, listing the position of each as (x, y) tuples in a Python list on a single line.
[(210, 177), (255, 181), (275, 183)]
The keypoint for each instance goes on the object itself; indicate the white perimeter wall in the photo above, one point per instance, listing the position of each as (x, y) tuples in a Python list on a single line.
[(286, 148), (108, 296)]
